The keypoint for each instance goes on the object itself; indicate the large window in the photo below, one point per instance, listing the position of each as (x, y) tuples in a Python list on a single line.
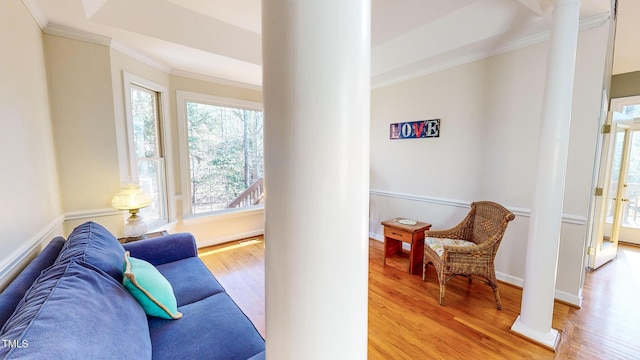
[(224, 146)]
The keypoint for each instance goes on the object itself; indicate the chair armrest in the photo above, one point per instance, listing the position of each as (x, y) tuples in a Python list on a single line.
[(469, 254), (164, 249)]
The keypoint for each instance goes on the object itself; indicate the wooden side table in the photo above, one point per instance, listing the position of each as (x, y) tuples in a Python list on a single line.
[(395, 233)]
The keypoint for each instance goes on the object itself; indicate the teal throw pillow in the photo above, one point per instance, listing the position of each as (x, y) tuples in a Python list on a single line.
[(152, 290)]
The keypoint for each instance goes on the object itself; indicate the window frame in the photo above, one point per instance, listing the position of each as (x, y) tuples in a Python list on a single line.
[(129, 174), (182, 97)]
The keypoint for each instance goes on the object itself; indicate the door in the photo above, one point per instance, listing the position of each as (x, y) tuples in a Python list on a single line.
[(629, 108), (630, 227), (614, 206)]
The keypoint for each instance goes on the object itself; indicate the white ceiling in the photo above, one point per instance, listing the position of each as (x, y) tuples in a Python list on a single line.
[(221, 38), (626, 54)]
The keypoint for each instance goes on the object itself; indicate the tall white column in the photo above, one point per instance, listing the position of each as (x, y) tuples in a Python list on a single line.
[(316, 81), (543, 243)]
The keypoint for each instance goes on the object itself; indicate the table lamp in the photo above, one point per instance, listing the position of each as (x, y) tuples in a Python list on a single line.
[(131, 197)]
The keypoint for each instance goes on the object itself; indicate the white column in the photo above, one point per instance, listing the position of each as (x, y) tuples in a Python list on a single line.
[(538, 294), (316, 81)]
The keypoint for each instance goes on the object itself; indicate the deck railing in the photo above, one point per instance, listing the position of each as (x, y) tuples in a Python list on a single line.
[(252, 196)]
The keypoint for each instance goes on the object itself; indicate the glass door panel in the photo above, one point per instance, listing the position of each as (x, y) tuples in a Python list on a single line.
[(618, 185), (606, 247)]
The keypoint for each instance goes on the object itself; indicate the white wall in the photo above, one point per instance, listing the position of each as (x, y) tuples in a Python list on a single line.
[(80, 91), (30, 213), (490, 113)]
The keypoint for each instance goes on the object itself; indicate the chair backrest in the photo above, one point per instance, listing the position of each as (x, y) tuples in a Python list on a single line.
[(490, 221)]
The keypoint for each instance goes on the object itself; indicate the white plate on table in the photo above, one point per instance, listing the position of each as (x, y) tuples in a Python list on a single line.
[(407, 222)]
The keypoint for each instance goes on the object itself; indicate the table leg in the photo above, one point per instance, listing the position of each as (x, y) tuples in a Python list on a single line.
[(417, 253), (391, 247)]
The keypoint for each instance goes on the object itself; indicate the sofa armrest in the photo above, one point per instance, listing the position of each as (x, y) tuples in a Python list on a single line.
[(164, 249), (11, 295)]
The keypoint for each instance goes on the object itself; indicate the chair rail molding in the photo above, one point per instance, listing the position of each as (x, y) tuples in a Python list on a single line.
[(8, 264), (89, 214), (524, 212)]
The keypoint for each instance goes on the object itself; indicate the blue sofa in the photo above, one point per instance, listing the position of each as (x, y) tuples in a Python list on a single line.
[(70, 303)]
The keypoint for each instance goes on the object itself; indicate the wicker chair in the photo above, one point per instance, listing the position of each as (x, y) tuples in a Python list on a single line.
[(469, 248)]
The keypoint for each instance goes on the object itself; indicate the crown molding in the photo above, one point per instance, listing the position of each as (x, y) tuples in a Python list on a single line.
[(115, 45), (36, 13), (519, 43), (72, 33), (541, 7), (216, 80)]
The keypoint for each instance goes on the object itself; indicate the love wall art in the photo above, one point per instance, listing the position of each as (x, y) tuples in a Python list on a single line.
[(415, 129)]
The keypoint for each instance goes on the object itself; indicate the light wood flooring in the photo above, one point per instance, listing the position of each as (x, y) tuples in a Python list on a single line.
[(406, 321)]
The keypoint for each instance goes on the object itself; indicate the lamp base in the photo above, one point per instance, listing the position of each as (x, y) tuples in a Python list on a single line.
[(135, 226)]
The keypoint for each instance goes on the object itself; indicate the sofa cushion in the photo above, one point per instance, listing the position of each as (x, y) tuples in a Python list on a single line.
[(149, 288), (190, 279), (163, 249), (260, 356), (92, 243), (214, 326), (57, 318)]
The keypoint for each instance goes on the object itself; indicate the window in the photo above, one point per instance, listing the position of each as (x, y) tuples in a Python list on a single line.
[(146, 139), (631, 110), (146, 145), (223, 150)]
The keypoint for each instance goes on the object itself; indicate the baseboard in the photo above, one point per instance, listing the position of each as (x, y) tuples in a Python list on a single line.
[(21, 254), (569, 299), (509, 279), (228, 238)]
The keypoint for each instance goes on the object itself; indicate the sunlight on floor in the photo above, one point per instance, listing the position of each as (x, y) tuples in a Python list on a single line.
[(633, 257), (230, 247)]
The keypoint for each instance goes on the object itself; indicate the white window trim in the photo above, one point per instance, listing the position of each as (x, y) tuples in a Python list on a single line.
[(182, 97), (617, 104), (165, 128)]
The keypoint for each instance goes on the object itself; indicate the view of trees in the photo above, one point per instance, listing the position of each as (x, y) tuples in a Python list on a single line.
[(634, 163), (146, 141), (225, 153)]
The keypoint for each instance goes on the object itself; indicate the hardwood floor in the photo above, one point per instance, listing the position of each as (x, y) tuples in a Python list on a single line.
[(406, 321), (608, 324), (239, 266)]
